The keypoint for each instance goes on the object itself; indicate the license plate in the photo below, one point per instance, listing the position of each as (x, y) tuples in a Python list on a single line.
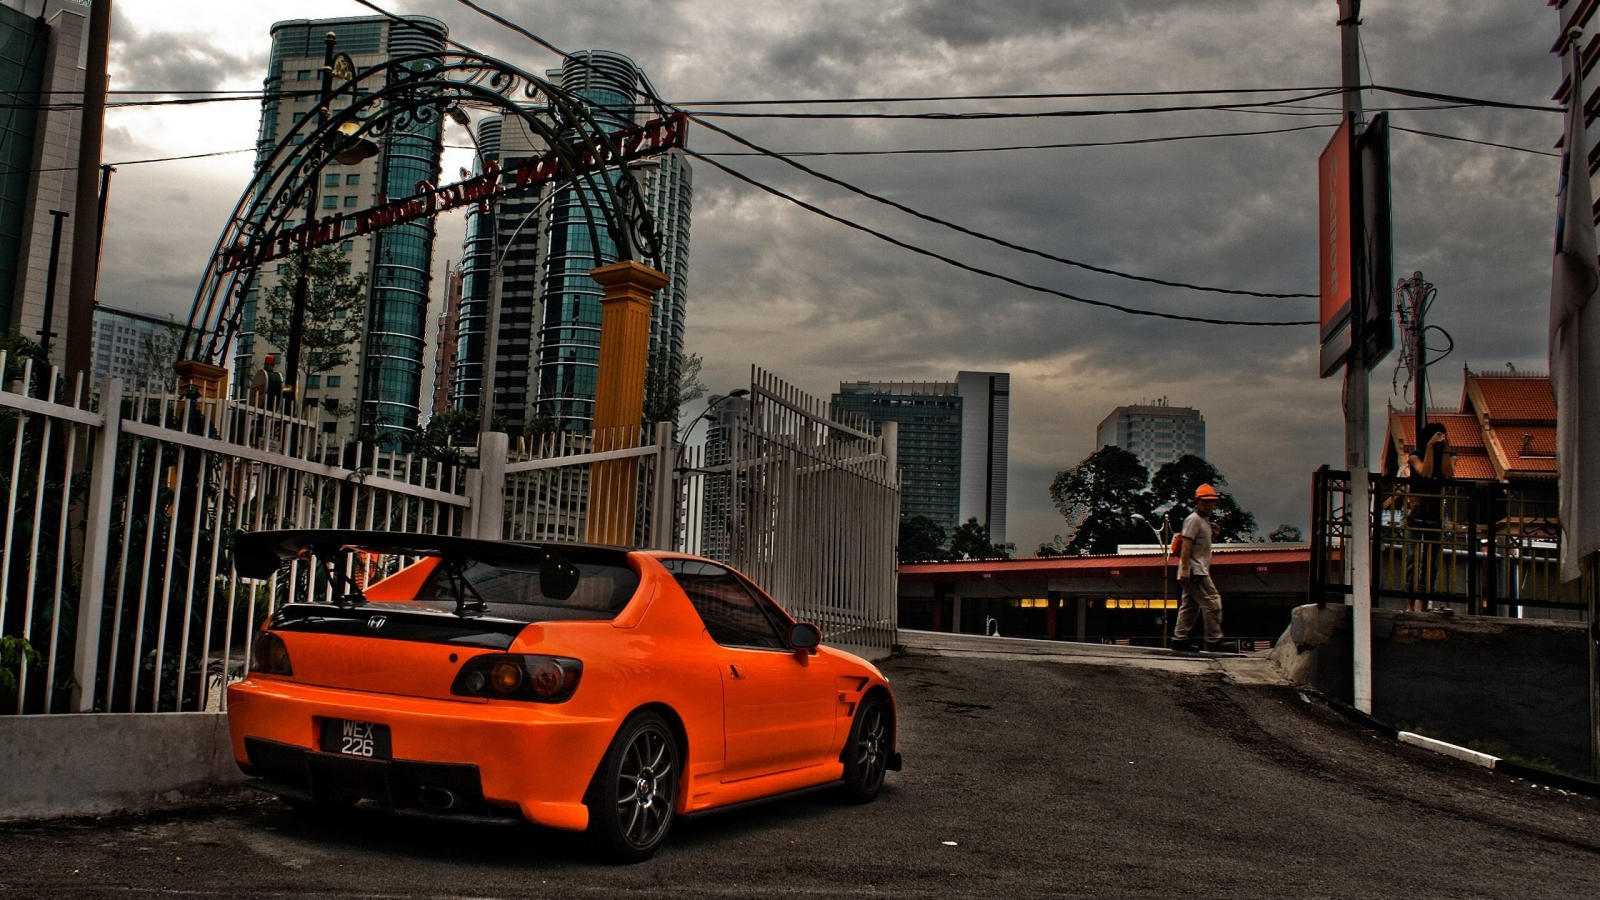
[(351, 738)]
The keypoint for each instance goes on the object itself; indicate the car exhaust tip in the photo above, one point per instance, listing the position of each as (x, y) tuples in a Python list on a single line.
[(436, 798)]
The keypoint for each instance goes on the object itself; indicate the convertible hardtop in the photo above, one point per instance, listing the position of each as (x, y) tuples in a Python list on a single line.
[(258, 554)]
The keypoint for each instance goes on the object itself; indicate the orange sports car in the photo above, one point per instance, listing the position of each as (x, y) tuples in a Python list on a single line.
[(575, 686)]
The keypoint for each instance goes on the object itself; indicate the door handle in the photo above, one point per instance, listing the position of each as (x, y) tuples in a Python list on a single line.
[(736, 672)]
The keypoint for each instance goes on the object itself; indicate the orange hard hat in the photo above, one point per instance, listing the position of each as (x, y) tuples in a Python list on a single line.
[(1205, 492)]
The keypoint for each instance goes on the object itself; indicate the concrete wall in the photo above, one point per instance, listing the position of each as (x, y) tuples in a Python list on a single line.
[(102, 763), (1514, 688)]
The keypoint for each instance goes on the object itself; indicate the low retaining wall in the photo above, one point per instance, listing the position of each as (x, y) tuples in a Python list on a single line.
[(1513, 688), (103, 763)]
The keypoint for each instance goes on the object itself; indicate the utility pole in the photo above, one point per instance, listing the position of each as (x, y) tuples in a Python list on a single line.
[(302, 280), (1357, 429), (86, 209), (47, 332), (1417, 293)]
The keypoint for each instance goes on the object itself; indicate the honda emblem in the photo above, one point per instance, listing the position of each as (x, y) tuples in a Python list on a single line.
[(376, 621)]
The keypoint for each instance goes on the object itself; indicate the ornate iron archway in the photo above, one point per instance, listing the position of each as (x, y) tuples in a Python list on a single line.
[(395, 98)]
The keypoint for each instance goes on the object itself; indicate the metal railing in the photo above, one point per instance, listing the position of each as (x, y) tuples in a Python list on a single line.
[(1480, 548), (118, 514)]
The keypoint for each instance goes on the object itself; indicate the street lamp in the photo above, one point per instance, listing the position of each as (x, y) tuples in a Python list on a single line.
[(703, 417), (1164, 538)]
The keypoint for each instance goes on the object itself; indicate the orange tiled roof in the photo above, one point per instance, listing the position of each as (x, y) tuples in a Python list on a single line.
[(1513, 398)]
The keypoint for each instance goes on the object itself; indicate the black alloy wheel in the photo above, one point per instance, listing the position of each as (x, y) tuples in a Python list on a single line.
[(866, 754), (636, 790)]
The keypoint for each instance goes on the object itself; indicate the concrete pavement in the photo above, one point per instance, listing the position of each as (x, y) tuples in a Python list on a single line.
[(1029, 772)]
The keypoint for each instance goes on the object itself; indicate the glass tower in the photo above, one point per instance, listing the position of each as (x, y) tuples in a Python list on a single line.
[(929, 414), (548, 352), (379, 392)]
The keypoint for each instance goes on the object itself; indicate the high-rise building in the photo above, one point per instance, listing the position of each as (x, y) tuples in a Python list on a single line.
[(135, 347), (444, 358), (548, 351), (1155, 432), (985, 448), (953, 444), (380, 387), (42, 53), (929, 415), (722, 508)]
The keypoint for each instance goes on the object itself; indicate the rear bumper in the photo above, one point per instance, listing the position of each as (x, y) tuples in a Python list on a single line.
[(498, 760)]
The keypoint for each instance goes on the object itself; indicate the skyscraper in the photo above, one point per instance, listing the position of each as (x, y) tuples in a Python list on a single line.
[(42, 43), (548, 351), (382, 386), (444, 359), (953, 445), (985, 448), (1155, 432)]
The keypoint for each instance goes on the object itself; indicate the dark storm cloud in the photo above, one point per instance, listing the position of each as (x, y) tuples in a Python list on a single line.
[(818, 303), (152, 59)]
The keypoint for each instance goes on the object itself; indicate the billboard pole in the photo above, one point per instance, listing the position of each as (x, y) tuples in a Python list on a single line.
[(1357, 403)]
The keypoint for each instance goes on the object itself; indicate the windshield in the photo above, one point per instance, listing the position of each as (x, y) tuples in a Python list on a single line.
[(510, 590)]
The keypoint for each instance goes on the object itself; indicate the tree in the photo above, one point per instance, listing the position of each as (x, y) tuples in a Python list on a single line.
[(335, 319), (921, 539), (444, 438), (970, 540), (671, 380), (161, 349), (1056, 547), (1286, 534), (1098, 498), (1174, 485)]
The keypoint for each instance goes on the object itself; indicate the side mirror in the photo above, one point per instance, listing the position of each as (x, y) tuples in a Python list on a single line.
[(805, 637)]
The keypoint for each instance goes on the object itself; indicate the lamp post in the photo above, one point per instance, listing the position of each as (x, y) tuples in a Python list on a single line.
[(1164, 537), (678, 468)]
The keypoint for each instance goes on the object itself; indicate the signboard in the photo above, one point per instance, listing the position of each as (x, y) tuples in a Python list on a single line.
[(649, 139), (1376, 258), (1336, 247)]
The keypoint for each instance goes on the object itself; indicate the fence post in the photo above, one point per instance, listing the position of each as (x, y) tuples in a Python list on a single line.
[(489, 500), (663, 511), (96, 547)]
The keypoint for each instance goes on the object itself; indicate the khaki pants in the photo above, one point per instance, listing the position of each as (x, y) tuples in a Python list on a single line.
[(1200, 598)]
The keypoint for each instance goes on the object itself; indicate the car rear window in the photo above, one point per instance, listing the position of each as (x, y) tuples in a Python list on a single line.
[(511, 590)]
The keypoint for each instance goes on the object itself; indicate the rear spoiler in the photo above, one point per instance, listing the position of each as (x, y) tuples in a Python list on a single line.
[(258, 554)]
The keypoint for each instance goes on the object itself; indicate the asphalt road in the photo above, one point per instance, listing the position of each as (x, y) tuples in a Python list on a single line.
[(1024, 777)]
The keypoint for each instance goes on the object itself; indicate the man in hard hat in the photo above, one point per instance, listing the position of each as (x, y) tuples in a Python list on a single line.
[(1200, 595)]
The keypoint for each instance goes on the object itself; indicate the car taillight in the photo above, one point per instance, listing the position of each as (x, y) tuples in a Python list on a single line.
[(516, 676), (271, 656)]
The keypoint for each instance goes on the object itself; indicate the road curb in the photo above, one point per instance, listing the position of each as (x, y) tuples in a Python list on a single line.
[(1546, 777)]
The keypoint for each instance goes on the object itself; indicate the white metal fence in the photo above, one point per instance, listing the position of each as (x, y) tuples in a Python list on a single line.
[(118, 530), (804, 499), (119, 512)]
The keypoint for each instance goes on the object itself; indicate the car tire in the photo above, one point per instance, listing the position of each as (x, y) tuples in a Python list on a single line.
[(866, 752), (634, 797)]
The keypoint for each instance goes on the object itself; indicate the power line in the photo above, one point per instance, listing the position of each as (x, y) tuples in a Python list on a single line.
[(885, 237), (961, 229), (1067, 146), (129, 162), (976, 269), (1451, 137)]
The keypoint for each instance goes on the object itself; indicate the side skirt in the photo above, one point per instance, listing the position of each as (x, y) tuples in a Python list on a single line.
[(745, 804)]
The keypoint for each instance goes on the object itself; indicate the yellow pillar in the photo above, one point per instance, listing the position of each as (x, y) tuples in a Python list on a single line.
[(207, 380), (630, 290)]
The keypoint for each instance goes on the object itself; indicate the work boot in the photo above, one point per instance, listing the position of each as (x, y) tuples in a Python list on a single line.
[(1182, 645), (1221, 646)]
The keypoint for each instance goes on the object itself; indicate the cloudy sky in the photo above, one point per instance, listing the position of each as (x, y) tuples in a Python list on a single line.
[(818, 303)]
